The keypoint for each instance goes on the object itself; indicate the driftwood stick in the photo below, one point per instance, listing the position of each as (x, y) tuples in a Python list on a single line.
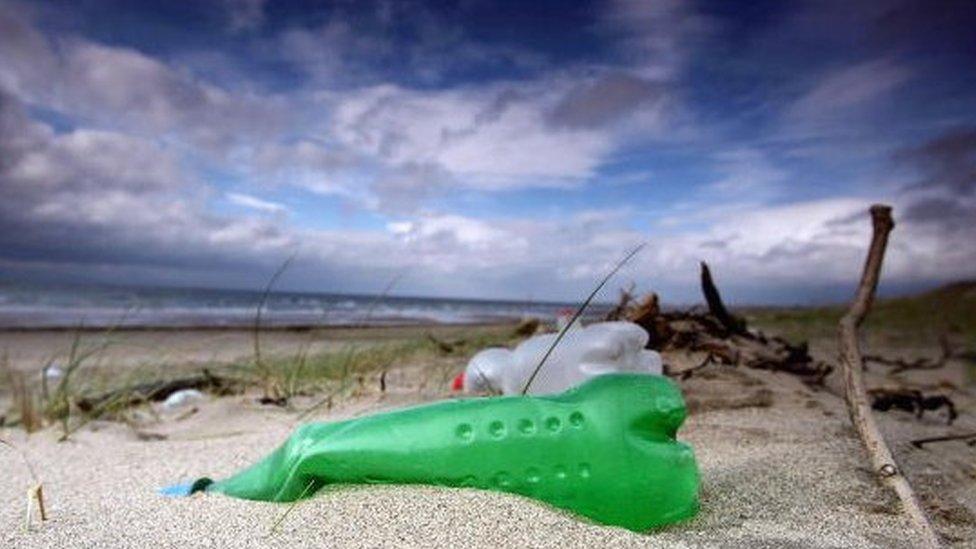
[(901, 365), (155, 390), (968, 437), (716, 306), (39, 495), (882, 459)]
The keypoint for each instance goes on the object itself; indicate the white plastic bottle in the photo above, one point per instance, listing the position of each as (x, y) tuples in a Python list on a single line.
[(600, 348)]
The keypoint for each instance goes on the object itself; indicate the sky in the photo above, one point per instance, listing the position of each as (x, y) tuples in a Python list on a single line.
[(488, 149)]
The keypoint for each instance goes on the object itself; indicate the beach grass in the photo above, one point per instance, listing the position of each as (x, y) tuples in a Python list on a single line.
[(353, 358), (902, 322)]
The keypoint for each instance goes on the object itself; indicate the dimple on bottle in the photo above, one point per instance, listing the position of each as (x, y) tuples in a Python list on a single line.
[(605, 450)]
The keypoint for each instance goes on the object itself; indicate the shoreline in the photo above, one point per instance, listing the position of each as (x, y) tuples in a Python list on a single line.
[(298, 327), (126, 348)]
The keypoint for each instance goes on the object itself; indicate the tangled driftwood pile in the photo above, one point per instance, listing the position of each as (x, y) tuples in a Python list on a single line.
[(722, 336)]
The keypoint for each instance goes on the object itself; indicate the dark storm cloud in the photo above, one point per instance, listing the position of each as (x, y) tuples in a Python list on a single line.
[(946, 162), (95, 197), (932, 25), (944, 211), (943, 199)]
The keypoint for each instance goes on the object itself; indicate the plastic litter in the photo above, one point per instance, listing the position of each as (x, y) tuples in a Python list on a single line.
[(53, 373), (458, 383), (583, 353), (183, 398), (605, 450)]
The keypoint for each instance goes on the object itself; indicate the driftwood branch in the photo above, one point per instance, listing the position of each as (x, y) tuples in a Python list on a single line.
[(156, 390), (857, 403), (716, 306), (911, 400), (969, 438), (722, 336), (901, 365)]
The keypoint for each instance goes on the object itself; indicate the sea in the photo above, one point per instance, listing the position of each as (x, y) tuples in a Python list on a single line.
[(29, 306)]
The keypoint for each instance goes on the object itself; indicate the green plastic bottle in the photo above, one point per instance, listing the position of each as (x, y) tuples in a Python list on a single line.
[(605, 449)]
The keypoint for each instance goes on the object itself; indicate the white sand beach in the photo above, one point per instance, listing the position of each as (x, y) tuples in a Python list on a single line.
[(780, 467)]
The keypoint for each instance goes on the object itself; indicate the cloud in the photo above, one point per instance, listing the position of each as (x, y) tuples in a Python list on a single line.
[(95, 201), (454, 230), (943, 26), (69, 207), (490, 139), (443, 253), (656, 38), (552, 129), (398, 116), (123, 89), (606, 100), (781, 242), (112, 84), (841, 90), (395, 42), (330, 53), (386, 147), (947, 162), (244, 14), (90, 197), (255, 203), (747, 172), (952, 214), (940, 204), (26, 57)]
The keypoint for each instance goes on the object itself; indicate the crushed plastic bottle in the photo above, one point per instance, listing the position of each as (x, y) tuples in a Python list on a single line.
[(583, 353), (605, 450)]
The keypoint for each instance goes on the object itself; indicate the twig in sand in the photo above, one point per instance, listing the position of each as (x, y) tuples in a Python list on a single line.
[(970, 438), (884, 463), (35, 492), (686, 373), (579, 312), (901, 365), (39, 494)]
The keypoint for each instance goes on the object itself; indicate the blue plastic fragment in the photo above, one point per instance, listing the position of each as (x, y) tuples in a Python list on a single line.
[(187, 489), (177, 490)]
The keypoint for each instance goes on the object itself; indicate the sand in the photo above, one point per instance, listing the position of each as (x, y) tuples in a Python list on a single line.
[(781, 469)]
